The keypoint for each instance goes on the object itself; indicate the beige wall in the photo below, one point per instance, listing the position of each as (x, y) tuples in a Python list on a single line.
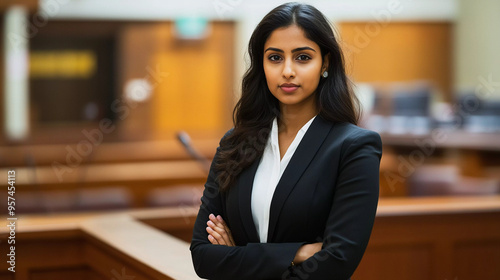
[(477, 46)]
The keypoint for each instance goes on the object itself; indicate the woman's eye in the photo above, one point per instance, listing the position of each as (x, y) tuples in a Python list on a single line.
[(303, 57), (274, 57)]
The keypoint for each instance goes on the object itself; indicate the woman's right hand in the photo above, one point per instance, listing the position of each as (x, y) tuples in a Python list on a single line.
[(218, 232), (306, 251)]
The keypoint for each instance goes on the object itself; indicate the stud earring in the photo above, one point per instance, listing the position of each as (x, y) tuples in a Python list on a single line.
[(325, 74)]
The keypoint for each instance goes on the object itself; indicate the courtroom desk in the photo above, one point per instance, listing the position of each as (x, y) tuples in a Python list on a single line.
[(413, 238), (105, 152), (137, 179)]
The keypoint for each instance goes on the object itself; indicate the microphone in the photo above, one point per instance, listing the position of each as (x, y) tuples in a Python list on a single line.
[(185, 140)]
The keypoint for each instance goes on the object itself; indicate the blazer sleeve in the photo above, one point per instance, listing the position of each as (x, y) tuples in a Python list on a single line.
[(352, 215), (252, 261)]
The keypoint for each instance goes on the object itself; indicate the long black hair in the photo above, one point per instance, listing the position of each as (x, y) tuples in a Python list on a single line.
[(257, 107)]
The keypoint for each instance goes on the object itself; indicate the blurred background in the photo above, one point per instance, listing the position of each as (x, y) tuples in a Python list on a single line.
[(120, 104)]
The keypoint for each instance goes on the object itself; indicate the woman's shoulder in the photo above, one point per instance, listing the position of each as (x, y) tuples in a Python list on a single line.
[(229, 132), (350, 133), (350, 130)]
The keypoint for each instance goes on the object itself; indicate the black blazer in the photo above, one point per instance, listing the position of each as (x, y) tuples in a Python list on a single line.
[(328, 193)]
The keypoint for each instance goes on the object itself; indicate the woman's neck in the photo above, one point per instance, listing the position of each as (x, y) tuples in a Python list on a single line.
[(293, 118)]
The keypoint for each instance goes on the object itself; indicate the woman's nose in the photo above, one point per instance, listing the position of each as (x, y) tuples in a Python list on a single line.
[(288, 70)]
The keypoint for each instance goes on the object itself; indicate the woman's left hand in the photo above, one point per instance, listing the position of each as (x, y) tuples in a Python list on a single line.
[(218, 232)]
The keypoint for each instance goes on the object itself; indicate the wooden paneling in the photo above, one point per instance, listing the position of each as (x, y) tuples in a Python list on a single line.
[(137, 44), (7, 276), (197, 94), (476, 258), (192, 81), (436, 245), (46, 253), (409, 261), (73, 273), (110, 267), (399, 52)]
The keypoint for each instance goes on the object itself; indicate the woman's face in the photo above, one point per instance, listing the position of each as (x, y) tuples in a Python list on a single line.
[(293, 66)]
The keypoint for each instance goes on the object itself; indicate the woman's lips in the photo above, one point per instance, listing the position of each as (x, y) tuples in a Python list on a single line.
[(288, 88)]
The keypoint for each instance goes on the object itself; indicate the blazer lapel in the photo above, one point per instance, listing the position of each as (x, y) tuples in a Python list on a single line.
[(303, 155), (244, 196)]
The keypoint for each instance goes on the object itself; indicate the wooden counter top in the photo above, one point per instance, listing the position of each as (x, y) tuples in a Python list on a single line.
[(72, 221), (387, 207), (437, 205)]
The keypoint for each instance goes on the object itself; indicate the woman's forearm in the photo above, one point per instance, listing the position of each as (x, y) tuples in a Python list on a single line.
[(306, 251)]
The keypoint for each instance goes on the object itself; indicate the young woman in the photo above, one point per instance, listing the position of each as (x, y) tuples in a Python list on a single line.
[(293, 188)]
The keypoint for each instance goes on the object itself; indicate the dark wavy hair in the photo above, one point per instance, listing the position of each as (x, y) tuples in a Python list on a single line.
[(257, 107)]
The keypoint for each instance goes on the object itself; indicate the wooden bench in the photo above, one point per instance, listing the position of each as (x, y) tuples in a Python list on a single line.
[(105, 152), (116, 175), (124, 185)]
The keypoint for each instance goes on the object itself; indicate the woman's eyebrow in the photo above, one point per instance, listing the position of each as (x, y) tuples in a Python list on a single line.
[(294, 50)]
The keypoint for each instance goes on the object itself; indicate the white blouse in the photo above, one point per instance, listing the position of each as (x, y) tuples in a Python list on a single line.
[(268, 175)]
